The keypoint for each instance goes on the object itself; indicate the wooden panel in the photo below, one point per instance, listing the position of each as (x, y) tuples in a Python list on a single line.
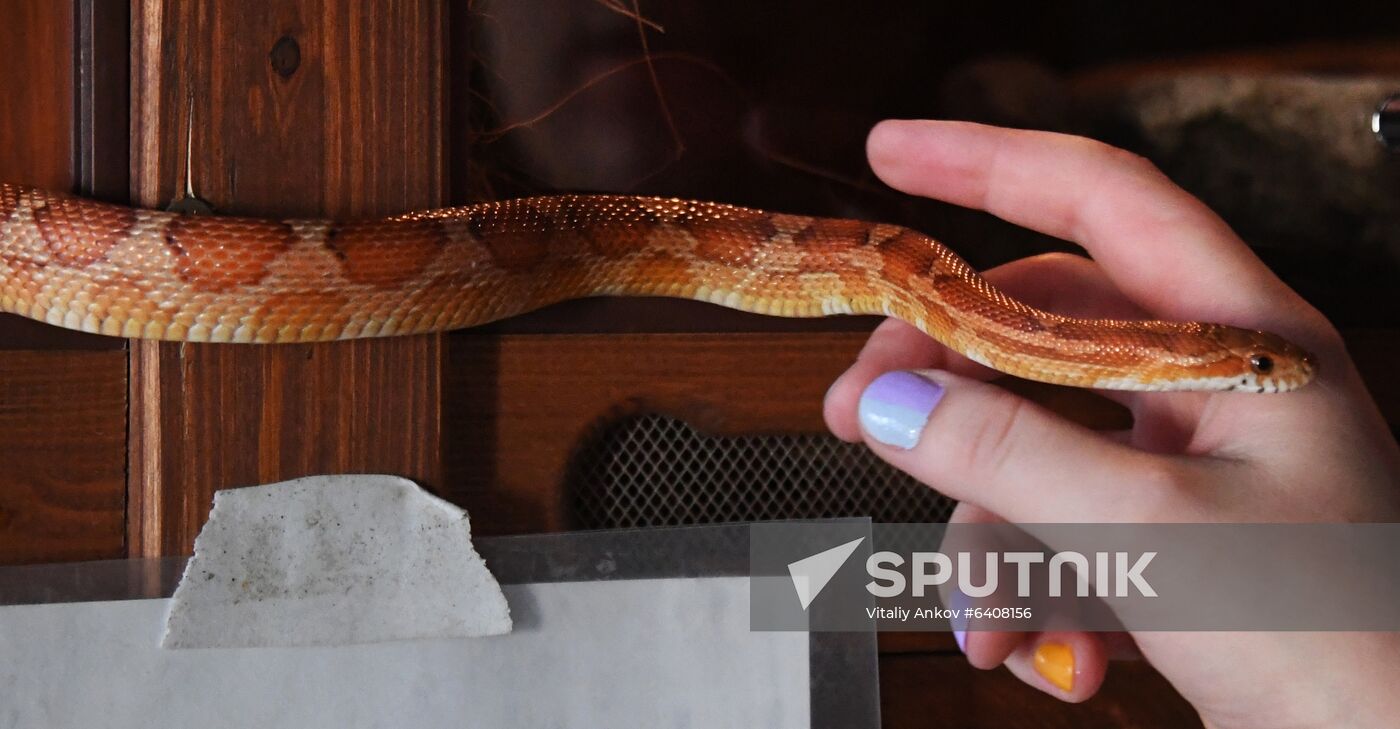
[(652, 314), (311, 107), (922, 691), (517, 406), (62, 455), (18, 333), (36, 108), (314, 107), (101, 160), (62, 410), (36, 125)]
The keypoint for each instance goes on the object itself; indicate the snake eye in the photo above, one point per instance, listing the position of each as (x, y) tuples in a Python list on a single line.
[(1261, 363)]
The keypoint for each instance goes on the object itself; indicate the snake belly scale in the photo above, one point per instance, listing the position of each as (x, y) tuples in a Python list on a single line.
[(126, 272)]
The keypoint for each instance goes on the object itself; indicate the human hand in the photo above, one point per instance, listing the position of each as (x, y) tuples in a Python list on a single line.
[(1319, 454)]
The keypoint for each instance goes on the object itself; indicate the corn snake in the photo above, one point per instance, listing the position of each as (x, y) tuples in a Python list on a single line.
[(125, 272)]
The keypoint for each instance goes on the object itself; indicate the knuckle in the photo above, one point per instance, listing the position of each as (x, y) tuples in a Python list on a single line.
[(1157, 491), (1331, 342), (993, 436), (1161, 476), (1327, 336), (1132, 161), (1061, 258), (1062, 262), (1119, 157)]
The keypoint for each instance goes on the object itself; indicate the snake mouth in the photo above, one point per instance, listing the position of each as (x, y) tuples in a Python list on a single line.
[(1274, 372), (1304, 369), (1308, 366)]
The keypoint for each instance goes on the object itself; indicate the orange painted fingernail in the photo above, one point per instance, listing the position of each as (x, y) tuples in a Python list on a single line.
[(1055, 661)]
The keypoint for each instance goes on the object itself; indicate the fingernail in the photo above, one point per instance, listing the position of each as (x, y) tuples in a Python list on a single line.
[(892, 133), (888, 144), (832, 386), (958, 604), (895, 407), (1055, 661)]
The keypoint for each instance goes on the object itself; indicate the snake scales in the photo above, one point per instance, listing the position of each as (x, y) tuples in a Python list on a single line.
[(125, 272)]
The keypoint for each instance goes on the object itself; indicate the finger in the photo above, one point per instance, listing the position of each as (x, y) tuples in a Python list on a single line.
[(1057, 282), (985, 649), (1070, 285), (1067, 665), (1120, 646), (894, 345), (1063, 283), (1162, 247), (978, 443)]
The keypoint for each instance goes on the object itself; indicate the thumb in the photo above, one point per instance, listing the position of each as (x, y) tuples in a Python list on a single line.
[(978, 443)]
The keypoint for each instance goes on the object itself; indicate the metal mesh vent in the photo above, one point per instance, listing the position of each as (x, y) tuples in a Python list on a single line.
[(657, 471)]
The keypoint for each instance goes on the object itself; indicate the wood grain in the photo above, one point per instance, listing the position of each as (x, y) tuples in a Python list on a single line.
[(37, 140), (63, 416), (922, 690), (354, 127), (36, 110), (517, 406), (101, 159), (62, 394)]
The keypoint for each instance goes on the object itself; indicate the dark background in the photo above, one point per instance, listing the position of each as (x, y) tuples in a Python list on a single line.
[(767, 104)]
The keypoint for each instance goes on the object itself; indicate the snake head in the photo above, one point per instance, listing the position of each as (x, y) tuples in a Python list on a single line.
[(1266, 362)]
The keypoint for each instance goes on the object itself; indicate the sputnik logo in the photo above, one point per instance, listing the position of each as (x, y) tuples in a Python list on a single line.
[(811, 574)]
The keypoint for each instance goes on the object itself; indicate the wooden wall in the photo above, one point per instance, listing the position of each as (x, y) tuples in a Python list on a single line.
[(62, 395), (307, 108)]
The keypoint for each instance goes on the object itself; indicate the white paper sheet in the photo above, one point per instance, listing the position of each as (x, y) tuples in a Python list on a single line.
[(637, 653)]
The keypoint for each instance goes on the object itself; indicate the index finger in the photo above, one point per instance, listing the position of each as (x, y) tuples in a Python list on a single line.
[(1162, 247)]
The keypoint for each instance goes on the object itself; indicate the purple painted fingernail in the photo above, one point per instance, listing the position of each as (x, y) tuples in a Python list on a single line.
[(958, 603), (895, 407)]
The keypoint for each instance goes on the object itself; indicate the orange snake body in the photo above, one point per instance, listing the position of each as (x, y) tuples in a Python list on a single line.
[(125, 272)]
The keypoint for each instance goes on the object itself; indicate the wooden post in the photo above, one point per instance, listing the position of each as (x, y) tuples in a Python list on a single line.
[(62, 394), (307, 108)]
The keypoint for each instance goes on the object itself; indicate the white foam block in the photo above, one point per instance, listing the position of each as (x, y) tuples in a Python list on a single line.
[(333, 560)]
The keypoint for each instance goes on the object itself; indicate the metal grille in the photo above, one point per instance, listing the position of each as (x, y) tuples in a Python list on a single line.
[(653, 470)]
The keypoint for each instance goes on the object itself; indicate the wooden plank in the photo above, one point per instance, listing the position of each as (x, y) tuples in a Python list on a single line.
[(941, 689), (658, 315), (36, 108), (102, 105), (62, 394), (62, 455), (306, 108), (517, 406), (19, 333), (37, 140)]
